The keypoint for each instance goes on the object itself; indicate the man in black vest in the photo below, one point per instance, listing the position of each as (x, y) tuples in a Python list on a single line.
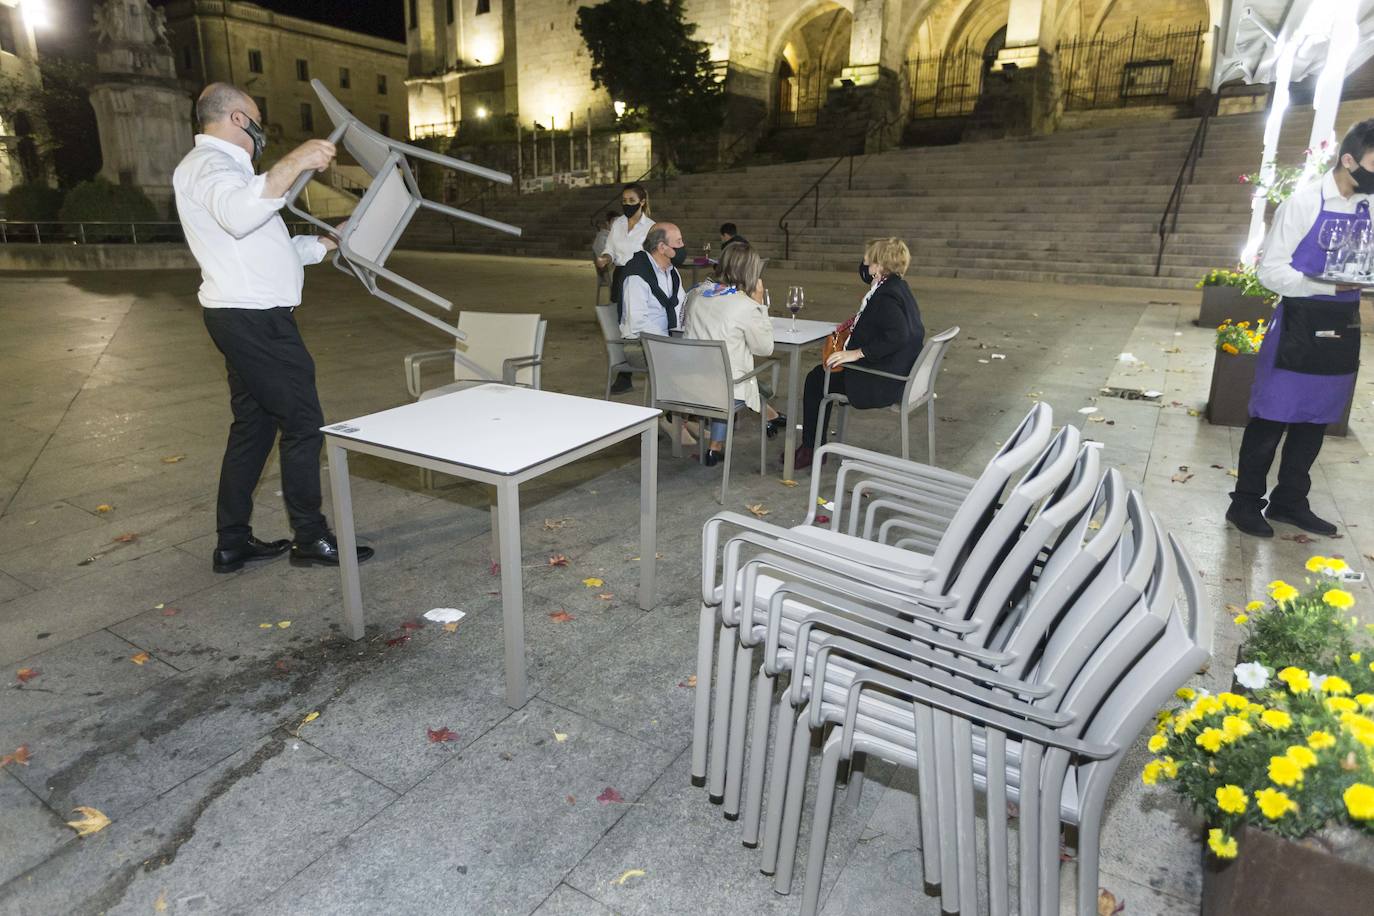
[(651, 293)]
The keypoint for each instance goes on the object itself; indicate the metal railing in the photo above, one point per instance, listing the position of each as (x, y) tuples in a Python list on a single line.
[(101, 232), (1168, 221), (815, 189)]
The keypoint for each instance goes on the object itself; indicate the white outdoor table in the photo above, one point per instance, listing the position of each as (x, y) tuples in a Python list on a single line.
[(786, 339), (502, 436)]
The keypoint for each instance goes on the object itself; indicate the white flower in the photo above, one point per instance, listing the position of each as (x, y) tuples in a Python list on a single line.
[(1252, 675), (1317, 679)]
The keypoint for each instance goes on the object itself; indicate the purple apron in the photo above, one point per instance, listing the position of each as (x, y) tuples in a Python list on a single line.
[(1309, 378)]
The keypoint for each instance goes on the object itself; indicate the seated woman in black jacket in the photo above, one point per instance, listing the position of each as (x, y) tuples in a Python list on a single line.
[(887, 336)]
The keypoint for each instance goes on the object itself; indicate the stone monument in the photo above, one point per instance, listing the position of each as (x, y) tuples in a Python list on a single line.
[(143, 114)]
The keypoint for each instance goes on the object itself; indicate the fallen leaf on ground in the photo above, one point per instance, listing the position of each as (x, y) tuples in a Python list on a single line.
[(399, 640), (593, 582), (558, 560), (127, 538), (171, 611), (690, 682), (140, 658), (1232, 472), (1194, 412), (451, 628), (1107, 904), (91, 821), (572, 799), (91, 559), (561, 617), (630, 873), (496, 569), (553, 524), (104, 507), (283, 624), (789, 483), (610, 795), (758, 510), (560, 737), (281, 665), (160, 904), (1097, 419), (606, 596), (822, 519), (1299, 538), (264, 626), (20, 756), (172, 459), (437, 735), (1182, 476), (27, 674), (309, 717)]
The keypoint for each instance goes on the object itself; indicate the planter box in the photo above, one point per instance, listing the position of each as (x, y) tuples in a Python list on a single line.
[(1228, 402), (1273, 876), (1222, 302)]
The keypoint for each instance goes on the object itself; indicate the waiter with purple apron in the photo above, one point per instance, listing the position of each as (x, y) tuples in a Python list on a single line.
[(1305, 371)]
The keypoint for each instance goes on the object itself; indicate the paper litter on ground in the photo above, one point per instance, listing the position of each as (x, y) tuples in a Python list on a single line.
[(445, 615)]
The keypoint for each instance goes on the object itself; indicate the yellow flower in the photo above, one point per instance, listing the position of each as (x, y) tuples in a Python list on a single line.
[(1229, 348), (1235, 728), (1319, 740), (1168, 767), (1184, 721), (1222, 845), (1157, 743), (1339, 598), (1335, 566), (1232, 799), (1185, 693), (1255, 709), (1316, 564), (1255, 606), (1335, 684), (1355, 657), (1283, 592), (1359, 801), (1233, 700), (1371, 666), (1301, 755), (1243, 324), (1276, 719), (1365, 699), (1341, 704), (1296, 679), (1206, 706), (1150, 775), (1284, 772), (1210, 740), (1360, 727), (1274, 803), (1240, 619)]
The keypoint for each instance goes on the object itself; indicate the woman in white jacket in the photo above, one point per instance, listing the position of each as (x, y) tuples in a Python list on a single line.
[(730, 308)]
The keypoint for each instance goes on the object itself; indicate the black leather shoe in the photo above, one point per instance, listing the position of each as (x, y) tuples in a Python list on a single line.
[(1249, 521), (231, 559), (776, 425), (621, 384), (1302, 518), (322, 551), (713, 458)]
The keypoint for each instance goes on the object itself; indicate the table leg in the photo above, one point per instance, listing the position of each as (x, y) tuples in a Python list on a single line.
[(789, 439), (512, 592), (495, 525), (348, 543), (648, 513)]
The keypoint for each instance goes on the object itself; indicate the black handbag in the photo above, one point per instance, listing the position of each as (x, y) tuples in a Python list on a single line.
[(1319, 337)]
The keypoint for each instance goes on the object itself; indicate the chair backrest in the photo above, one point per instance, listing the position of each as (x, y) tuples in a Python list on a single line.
[(493, 338), (920, 384), (687, 373), (376, 224), (610, 330)]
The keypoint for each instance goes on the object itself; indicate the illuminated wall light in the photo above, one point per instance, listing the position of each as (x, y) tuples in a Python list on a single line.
[(482, 112), (36, 13), (619, 109)]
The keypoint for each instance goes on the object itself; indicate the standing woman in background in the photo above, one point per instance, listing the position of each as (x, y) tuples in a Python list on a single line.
[(625, 238)]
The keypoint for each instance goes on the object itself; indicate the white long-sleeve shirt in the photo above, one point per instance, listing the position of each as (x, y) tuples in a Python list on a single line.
[(642, 310), (247, 258), (1293, 219), (623, 241)]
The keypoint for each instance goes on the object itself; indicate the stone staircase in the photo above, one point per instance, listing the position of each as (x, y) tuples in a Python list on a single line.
[(1079, 206)]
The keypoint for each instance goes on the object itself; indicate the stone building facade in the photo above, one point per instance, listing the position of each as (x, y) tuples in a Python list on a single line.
[(797, 62), (19, 157), (274, 57)]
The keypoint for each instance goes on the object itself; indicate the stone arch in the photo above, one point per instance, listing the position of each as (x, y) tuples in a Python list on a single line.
[(798, 16), (809, 51), (1114, 13)]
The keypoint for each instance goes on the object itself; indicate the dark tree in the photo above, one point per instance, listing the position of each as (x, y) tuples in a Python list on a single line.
[(644, 55), (54, 120)]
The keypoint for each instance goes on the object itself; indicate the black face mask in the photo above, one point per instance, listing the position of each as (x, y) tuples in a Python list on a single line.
[(630, 209), (679, 256), (255, 133), (864, 275), (1364, 179)]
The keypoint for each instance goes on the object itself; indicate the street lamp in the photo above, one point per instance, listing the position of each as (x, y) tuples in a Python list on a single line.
[(619, 109), (481, 112), (36, 13)]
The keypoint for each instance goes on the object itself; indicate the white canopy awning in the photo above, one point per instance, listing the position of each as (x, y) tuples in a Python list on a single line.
[(1253, 34)]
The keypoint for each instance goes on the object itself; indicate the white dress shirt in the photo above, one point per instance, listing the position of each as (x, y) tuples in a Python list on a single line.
[(1292, 221), (247, 258), (642, 309), (624, 241)]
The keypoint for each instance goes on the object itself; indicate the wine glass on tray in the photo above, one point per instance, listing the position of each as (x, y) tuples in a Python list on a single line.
[(1331, 237)]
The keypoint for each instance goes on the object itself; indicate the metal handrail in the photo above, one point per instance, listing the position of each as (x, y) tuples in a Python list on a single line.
[(1168, 221), (12, 231), (816, 186)]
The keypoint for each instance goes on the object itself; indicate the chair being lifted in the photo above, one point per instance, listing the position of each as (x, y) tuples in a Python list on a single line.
[(385, 210)]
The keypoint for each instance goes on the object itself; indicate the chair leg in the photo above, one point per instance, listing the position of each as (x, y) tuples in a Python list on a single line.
[(905, 427), (610, 379), (842, 426), (930, 430), (820, 824), (701, 713), (763, 438), (729, 450)]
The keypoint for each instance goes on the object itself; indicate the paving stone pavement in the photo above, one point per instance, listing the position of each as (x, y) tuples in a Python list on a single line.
[(222, 797)]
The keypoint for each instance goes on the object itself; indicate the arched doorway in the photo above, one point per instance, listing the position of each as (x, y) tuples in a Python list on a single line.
[(815, 52), (950, 53)]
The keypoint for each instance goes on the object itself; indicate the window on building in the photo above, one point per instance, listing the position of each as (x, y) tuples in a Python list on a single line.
[(186, 57), (307, 118), (261, 102), (7, 41), (384, 124), (483, 6), (302, 70), (414, 14), (381, 84), (344, 80), (448, 10), (254, 61)]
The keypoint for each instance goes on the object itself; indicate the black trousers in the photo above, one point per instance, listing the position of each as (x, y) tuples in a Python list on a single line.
[(812, 393), (1302, 443), (271, 391)]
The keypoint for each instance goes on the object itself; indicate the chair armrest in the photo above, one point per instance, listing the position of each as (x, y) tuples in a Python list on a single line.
[(870, 371), (414, 361), (512, 365), (758, 368)]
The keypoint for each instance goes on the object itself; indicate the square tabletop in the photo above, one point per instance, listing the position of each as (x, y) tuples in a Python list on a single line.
[(806, 332), (500, 429)]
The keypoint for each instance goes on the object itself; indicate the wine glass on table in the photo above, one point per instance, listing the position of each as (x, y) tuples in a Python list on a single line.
[(1330, 237), (796, 298)]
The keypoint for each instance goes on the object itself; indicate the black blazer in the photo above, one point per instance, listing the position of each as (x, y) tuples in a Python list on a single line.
[(891, 335)]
